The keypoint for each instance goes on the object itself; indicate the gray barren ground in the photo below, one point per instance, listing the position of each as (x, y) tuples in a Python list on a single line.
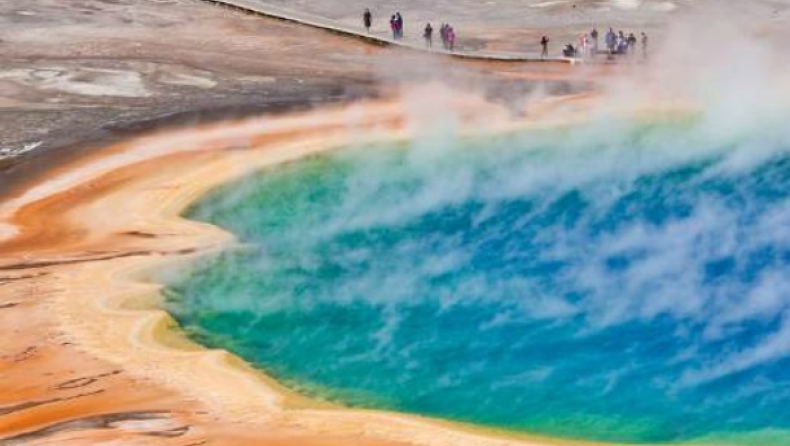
[(72, 70)]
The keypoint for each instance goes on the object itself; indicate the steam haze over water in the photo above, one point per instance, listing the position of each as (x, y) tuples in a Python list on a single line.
[(620, 280), (628, 288)]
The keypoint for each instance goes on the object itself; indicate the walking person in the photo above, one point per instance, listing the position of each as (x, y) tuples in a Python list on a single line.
[(582, 48), (611, 41), (428, 35), (450, 38), (631, 43), (399, 20), (594, 37), (443, 35), (394, 27), (622, 43), (544, 43), (644, 45), (367, 19)]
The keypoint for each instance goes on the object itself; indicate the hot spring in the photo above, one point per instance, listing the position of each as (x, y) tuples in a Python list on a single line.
[(623, 284)]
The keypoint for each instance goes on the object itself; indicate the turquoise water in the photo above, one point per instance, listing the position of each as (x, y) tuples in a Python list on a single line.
[(624, 286)]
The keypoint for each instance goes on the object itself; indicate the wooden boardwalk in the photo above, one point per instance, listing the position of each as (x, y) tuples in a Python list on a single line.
[(263, 8)]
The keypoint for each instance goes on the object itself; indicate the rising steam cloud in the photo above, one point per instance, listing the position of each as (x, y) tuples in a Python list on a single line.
[(615, 222)]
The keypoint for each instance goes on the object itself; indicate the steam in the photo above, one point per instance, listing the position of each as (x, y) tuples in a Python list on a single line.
[(714, 260)]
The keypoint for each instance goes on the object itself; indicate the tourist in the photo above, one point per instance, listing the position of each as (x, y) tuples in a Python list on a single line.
[(644, 45), (394, 27), (428, 35), (594, 37), (450, 38), (611, 41), (443, 33), (544, 43), (622, 45), (367, 19), (631, 43), (583, 45), (569, 51), (399, 23)]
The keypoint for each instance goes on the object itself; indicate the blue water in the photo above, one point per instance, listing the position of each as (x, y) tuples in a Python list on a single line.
[(629, 286)]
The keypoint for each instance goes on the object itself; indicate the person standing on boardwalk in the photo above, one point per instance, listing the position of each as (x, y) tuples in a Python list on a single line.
[(611, 41), (544, 43), (394, 27), (631, 44), (622, 44), (367, 19), (644, 45), (594, 37), (583, 46), (450, 38), (428, 35), (399, 22)]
